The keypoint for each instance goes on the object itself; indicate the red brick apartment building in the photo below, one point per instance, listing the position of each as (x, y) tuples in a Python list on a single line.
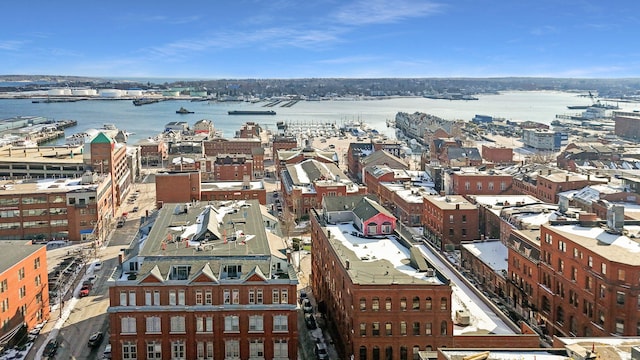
[(545, 184), (375, 310), (378, 311), (358, 151), (213, 291), (233, 167), (589, 278), (251, 147), (627, 124), (24, 294), (470, 181), (248, 130), (497, 155), (281, 142), (73, 209), (183, 187), (110, 157), (153, 152), (304, 185), (449, 221), (489, 210), (298, 155)]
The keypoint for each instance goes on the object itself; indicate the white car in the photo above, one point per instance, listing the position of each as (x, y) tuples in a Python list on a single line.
[(97, 266)]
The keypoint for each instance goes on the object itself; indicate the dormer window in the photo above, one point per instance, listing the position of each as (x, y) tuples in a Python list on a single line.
[(180, 272), (232, 271)]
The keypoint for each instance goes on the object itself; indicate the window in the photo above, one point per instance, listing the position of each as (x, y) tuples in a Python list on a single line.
[(443, 328), (427, 328), (256, 348), (36, 263), (588, 285), (375, 304), (416, 328), (280, 349), (3, 286), (21, 273), (38, 280), (259, 296), (123, 298), (464, 218), (208, 297), (280, 323), (199, 297), (173, 298), (153, 324), (450, 219), (467, 185), (252, 296), (479, 186), (256, 323), (443, 303), (204, 350), (154, 350), (603, 268), (231, 323), (416, 303), (129, 350), (181, 297), (204, 324), (177, 324), (375, 329), (128, 325), (590, 261), (284, 296), (363, 304), (148, 298), (621, 274), (387, 329), (403, 328), (177, 350), (619, 326), (403, 303), (232, 349), (387, 304), (620, 297), (363, 353), (363, 329), (428, 304), (503, 186), (132, 298)]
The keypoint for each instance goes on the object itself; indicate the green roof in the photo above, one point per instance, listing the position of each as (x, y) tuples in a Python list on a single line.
[(101, 138)]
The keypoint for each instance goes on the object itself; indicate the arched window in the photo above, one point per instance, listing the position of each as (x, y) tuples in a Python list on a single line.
[(375, 304), (403, 304), (363, 353), (429, 348), (388, 353), (443, 328), (387, 304), (363, 304), (546, 306), (386, 228), (416, 348), (376, 353), (428, 304), (443, 303), (416, 303), (404, 353), (573, 325), (372, 229), (560, 314)]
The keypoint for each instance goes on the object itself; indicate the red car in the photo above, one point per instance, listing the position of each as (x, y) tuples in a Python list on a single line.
[(84, 291)]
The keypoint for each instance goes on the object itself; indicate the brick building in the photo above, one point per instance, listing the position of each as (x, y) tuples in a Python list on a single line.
[(298, 155), (24, 293), (627, 125), (358, 151), (281, 142), (497, 154), (449, 221), (232, 167), (153, 152), (109, 157), (216, 289), (249, 130), (471, 181), (76, 209), (487, 263), (304, 185), (184, 187), (490, 207), (589, 276)]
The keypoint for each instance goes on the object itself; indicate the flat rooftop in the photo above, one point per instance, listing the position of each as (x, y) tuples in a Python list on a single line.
[(230, 185), (376, 260), (30, 186), (14, 251), (42, 154), (493, 253)]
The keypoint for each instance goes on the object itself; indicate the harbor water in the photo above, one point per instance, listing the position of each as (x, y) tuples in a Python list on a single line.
[(148, 120)]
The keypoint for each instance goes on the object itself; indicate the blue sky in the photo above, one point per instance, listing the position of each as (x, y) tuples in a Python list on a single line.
[(321, 38)]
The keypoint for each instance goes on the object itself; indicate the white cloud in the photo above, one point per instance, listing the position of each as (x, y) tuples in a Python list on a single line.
[(11, 45), (365, 12)]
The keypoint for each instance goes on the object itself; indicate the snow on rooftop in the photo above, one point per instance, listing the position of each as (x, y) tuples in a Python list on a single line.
[(369, 249), (492, 253), (601, 235), (514, 354), (302, 175), (463, 298)]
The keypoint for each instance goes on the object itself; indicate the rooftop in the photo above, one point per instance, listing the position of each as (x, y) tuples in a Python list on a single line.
[(14, 251), (62, 185), (493, 253), (450, 202), (230, 185)]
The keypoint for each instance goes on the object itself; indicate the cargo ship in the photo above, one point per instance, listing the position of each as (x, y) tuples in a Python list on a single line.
[(143, 101), (251, 112)]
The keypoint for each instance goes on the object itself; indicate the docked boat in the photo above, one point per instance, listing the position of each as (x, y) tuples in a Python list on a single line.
[(143, 101), (183, 111), (578, 107), (251, 112)]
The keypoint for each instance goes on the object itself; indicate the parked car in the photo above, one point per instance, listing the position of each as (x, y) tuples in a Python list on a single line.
[(306, 306), (97, 266), (51, 348), (135, 209), (303, 296), (84, 291), (310, 321), (321, 351), (95, 339), (106, 354)]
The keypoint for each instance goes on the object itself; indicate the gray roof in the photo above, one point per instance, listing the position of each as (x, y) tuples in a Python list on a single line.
[(314, 170), (14, 251), (367, 209), (462, 153), (341, 203), (380, 156)]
